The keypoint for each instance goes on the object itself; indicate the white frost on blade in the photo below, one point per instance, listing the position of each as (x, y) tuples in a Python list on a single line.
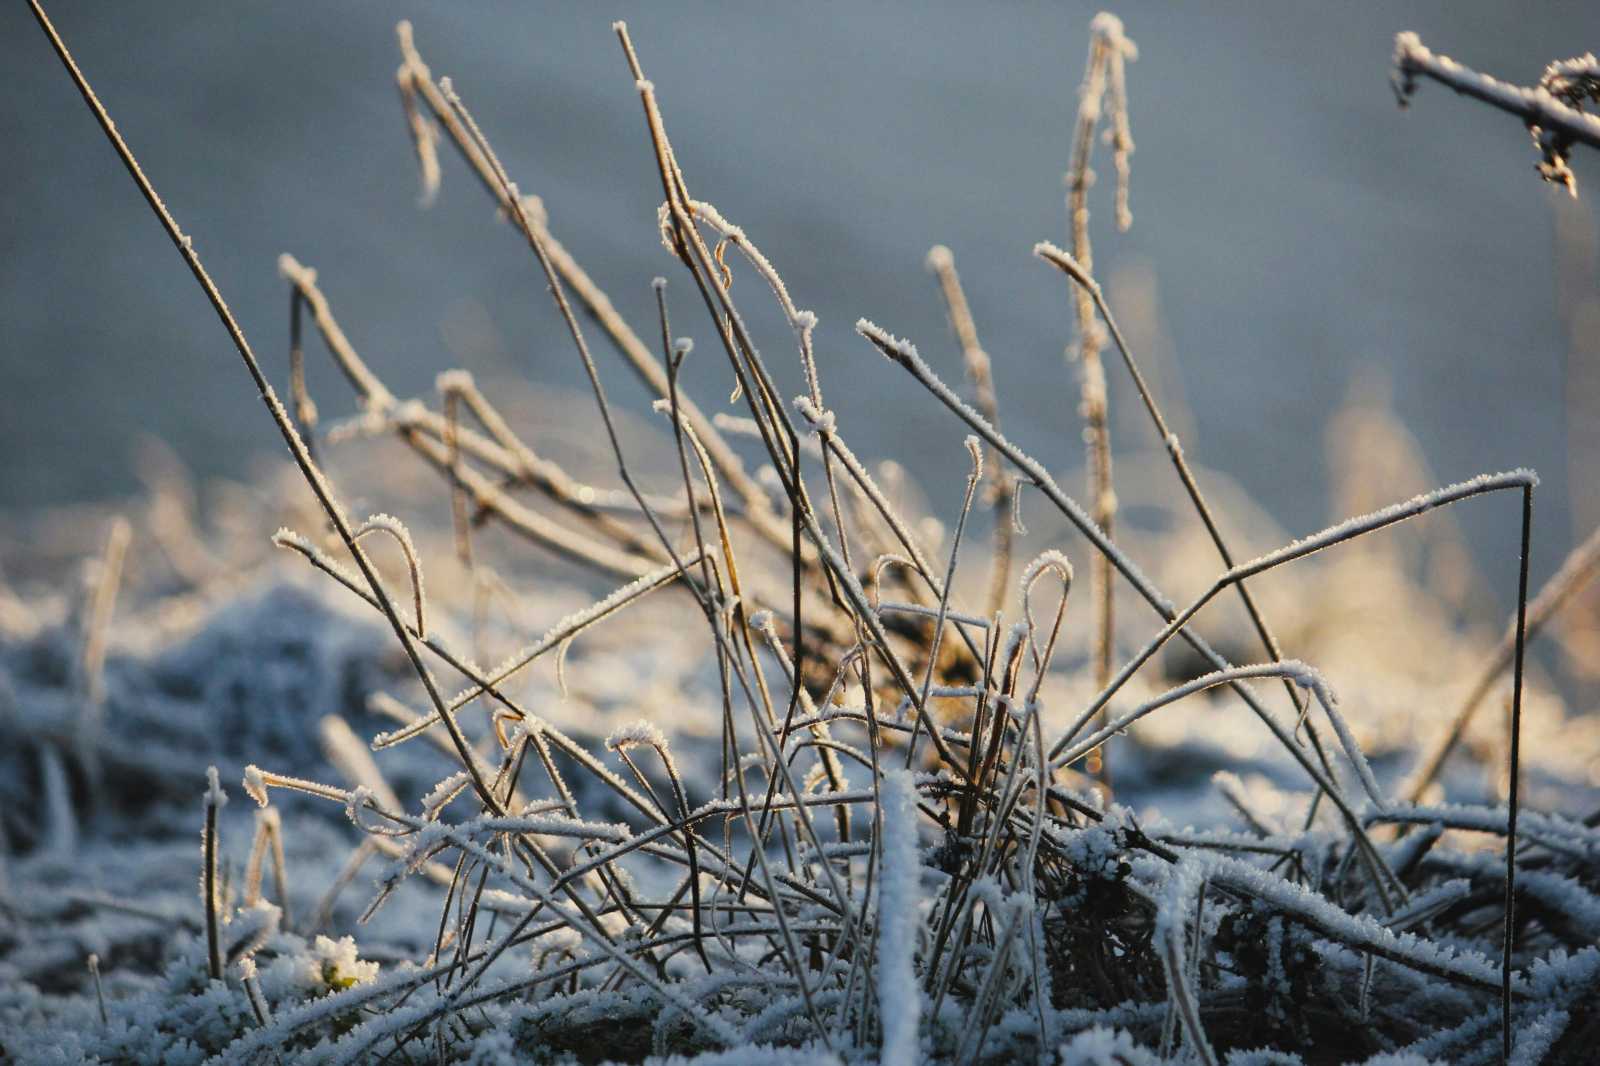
[(444, 792), (1535, 1039), (1519, 478), (1562, 894), (1063, 259), (1052, 559), (899, 997), (897, 348), (820, 419), (1355, 930), (642, 732), (1561, 975), (1553, 830), (1106, 1047)]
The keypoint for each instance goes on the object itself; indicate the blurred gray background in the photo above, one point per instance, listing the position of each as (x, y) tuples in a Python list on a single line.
[(1294, 232)]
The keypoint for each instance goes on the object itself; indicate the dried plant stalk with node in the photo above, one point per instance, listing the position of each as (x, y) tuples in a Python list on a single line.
[(893, 858), (1555, 111)]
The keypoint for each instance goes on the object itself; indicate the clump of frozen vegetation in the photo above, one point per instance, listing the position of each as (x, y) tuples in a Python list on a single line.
[(797, 787)]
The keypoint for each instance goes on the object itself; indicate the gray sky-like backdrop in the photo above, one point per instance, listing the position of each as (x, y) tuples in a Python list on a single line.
[(1299, 228)]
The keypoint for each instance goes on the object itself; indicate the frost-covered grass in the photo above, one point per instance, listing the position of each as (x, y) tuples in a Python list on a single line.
[(808, 784)]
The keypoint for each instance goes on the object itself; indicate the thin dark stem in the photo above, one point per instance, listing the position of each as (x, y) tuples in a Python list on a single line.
[(1509, 942)]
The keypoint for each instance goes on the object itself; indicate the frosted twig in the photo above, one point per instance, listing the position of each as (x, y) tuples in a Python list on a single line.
[(375, 399), (1061, 566), (1299, 549), (423, 138), (432, 436), (382, 523), (268, 837), (213, 802), (976, 454), (1002, 487), (1171, 918), (1555, 123), (1108, 50), (305, 410), (899, 1001), (1297, 672)]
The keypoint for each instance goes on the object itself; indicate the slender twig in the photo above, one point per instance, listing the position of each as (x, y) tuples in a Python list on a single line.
[(1556, 124), (980, 372), (1108, 50), (1515, 768)]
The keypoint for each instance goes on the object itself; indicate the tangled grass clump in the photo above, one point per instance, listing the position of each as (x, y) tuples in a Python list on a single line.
[(905, 846)]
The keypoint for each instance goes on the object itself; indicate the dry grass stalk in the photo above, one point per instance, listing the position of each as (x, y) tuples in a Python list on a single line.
[(1552, 110), (1104, 85)]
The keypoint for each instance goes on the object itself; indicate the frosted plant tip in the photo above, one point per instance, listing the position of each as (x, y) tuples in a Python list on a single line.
[(1046, 560), (639, 732), (900, 351), (255, 784), (454, 381), (658, 283), (683, 346), (215, 797), (1106, 24), (619, 26), (1060, 257), (821, 419), (939, 257)]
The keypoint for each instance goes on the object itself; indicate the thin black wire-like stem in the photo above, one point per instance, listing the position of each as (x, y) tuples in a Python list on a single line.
[(1574, 574), (1509, 941)]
